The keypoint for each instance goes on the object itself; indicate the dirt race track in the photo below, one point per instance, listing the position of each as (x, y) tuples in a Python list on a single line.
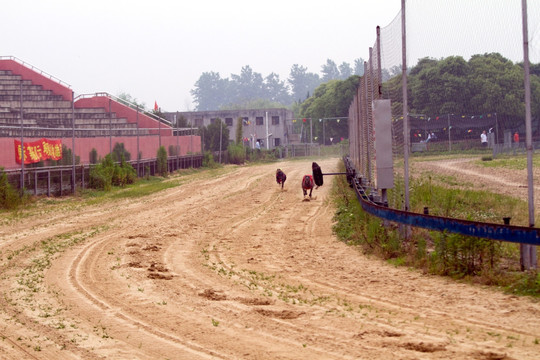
[(231, 267)]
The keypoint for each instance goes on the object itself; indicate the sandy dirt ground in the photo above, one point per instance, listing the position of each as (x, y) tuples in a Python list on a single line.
[(232, 267)]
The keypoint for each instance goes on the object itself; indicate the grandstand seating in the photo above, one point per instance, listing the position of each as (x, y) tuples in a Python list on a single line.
[(46, 114), (86, 123), (47, 108)]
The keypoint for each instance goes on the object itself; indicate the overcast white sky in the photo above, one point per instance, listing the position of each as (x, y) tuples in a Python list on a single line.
[(157, 50)]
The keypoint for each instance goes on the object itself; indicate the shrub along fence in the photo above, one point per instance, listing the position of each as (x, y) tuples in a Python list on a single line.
[(65, 179)]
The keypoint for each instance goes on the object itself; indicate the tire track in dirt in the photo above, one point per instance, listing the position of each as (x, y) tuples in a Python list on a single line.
[(81, 273), (87, 271), (247, 224), (303, 224), (91, 263)]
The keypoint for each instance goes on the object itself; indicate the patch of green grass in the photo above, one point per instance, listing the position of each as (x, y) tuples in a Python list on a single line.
[(446, 196), (399, 261), (527, 283), (510, 162)]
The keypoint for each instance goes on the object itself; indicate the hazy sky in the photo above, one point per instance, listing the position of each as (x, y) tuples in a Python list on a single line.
[(157, 50)]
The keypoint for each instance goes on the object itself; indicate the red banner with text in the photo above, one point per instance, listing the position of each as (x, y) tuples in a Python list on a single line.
[(35, 151)]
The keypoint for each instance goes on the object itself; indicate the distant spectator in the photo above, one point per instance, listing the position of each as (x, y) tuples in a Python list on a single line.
[(516, 137), (483, 139)]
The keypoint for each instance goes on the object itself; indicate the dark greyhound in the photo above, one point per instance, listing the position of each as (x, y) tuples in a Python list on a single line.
[(280, 177), (317, 174)]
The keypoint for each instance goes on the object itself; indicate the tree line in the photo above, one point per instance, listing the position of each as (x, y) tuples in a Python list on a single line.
[(251, 89), (486, 83)]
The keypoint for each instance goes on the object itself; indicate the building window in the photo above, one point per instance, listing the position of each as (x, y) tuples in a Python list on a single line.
[(275, 120), (245, 121), (213, 120), (277, 141), (228, 121), (199, 123), (259, 120)]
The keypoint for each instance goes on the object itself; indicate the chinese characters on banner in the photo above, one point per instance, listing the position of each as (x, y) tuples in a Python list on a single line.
[(35, 151)]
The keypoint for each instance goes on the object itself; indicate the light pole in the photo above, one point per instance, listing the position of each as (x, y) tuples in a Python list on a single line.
[(311, 131), (220, 138), (323, 135)]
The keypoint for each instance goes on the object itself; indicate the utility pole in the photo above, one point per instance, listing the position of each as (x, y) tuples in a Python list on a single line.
[(528, 252)]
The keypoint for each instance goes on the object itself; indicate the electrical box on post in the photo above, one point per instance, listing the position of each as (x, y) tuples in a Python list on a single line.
[(382, 119)]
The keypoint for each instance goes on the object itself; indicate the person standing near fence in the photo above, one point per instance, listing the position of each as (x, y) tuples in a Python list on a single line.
[(483, 139), (516, 142)]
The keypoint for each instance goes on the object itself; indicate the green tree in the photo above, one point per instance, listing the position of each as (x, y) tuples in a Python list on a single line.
[(101, 175), (211, 137), (496, 84), (248, 85), (106, 174), (93, 156), (486, 83), (302, 82), (9, 197), (276, 91), (67, 157), (181, 122), (345, 71), (440, 87), (210, 92), (119, 152), (330, 100), (128, 100), (330, 71), (359, 67), (162, 165), (239, 131)]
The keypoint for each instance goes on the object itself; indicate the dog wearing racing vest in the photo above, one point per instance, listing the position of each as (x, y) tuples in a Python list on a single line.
[(280, 177), (307, 184)]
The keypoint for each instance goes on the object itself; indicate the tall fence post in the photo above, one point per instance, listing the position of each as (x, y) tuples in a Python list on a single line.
[(110, 127), (22, 136), (177, 144), (406, 137), (73, 180), (528, 252), (138, 150)]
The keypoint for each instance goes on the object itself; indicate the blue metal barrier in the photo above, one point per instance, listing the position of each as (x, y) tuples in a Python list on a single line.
[(509, 233)]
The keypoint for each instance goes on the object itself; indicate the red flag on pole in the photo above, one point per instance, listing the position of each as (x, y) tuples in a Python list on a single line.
[(155, 106)]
